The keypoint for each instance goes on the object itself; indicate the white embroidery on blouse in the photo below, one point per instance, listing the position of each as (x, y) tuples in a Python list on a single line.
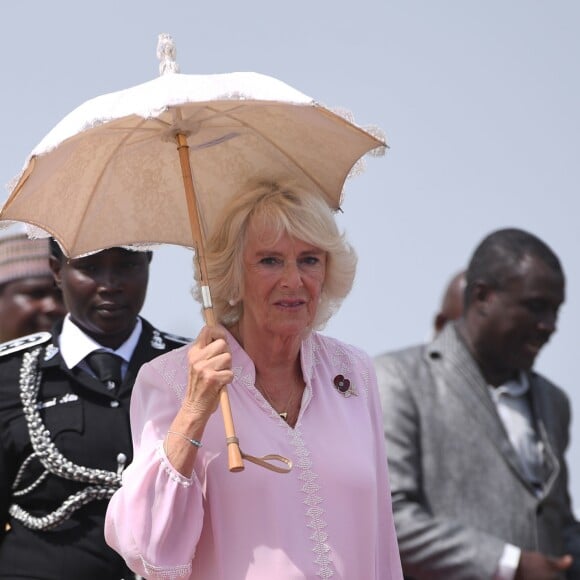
[(310, 487), (169, 469), (173, 573), (313, 502), (172, 368), (244, 376), (341, 359), (365, 370)]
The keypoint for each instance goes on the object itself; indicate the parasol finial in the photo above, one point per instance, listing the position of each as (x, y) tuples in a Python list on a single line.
[(166, 54)]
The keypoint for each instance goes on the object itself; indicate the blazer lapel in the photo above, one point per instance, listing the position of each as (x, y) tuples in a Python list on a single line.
[(463, 378), (550, 460)]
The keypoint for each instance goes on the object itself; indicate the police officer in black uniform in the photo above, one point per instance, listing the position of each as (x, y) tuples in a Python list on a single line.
[(64, 420)]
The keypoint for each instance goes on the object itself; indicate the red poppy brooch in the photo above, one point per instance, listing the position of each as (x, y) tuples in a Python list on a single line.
[(343, 386)]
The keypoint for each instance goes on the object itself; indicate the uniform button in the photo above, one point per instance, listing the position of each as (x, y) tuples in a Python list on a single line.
[(114, 404)]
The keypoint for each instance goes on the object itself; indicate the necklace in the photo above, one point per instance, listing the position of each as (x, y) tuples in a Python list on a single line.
[(283, 414)]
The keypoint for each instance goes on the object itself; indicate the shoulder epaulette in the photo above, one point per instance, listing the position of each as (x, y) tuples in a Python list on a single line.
[(24, 342), (176, 338)]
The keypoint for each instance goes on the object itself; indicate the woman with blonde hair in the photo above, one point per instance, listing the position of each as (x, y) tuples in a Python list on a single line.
[(278, 268)]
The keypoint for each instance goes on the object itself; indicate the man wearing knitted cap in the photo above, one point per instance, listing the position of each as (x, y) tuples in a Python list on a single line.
[(29, 299)]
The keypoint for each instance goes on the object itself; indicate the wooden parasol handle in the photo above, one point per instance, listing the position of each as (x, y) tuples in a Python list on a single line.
[(235, 462)]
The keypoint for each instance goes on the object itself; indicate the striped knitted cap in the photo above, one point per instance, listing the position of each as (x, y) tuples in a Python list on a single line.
[(21, 257)]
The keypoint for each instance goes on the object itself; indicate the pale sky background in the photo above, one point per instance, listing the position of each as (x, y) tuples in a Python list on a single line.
[(480, 102)]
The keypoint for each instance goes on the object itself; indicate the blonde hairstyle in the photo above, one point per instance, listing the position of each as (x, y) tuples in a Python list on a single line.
[(286, 209)]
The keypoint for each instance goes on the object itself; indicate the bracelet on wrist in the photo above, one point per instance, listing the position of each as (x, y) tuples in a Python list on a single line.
[(194, 442)]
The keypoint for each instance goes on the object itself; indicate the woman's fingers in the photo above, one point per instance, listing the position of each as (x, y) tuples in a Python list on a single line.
[(210, 343), (210, 363), (215, 356), (214, 371), (214, 349), (209, 334)]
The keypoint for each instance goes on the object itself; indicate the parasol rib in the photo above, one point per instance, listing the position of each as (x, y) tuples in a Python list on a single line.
[(102, 172), (284, 153)]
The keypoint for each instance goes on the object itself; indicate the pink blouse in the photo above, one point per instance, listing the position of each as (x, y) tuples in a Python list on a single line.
[(330, 517)]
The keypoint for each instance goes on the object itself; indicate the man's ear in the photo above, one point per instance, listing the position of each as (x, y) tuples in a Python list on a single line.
[(56, 267), (481, 295), (439, 322)]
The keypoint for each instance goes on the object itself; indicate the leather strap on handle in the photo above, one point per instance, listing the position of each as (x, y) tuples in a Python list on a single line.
[(266, 460)]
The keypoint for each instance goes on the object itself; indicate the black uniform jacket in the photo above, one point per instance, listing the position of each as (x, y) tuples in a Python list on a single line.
[(90, 427)]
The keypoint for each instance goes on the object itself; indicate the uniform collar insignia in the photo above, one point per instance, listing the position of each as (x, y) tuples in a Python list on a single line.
[(177, 338), (157, 341), (50, 351)]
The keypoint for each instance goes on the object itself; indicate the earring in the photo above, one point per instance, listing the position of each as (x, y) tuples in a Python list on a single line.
[(232, 302)]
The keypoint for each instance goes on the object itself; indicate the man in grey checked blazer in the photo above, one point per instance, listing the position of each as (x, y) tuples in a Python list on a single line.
[(475, 438)]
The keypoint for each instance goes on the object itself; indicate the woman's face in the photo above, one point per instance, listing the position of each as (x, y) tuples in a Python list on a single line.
[(282, 282)]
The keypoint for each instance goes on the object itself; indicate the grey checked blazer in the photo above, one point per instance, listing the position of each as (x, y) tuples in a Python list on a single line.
[(459, 494)]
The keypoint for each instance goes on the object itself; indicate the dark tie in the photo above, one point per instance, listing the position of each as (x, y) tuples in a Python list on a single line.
[(107, 367)]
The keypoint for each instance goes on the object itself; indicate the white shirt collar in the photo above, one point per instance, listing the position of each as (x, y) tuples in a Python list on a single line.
[(514, 388), (515, 412), (75, 345)]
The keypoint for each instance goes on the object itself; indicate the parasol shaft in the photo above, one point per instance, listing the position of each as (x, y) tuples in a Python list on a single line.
[(235, 462)]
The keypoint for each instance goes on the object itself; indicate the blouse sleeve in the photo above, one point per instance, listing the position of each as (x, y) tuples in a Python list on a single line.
[(155, 519)]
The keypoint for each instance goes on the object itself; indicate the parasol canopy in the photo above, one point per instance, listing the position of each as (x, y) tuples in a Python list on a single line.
[(108, 174)]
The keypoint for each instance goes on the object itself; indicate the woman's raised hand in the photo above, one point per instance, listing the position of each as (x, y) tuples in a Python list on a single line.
[(210, 369)]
